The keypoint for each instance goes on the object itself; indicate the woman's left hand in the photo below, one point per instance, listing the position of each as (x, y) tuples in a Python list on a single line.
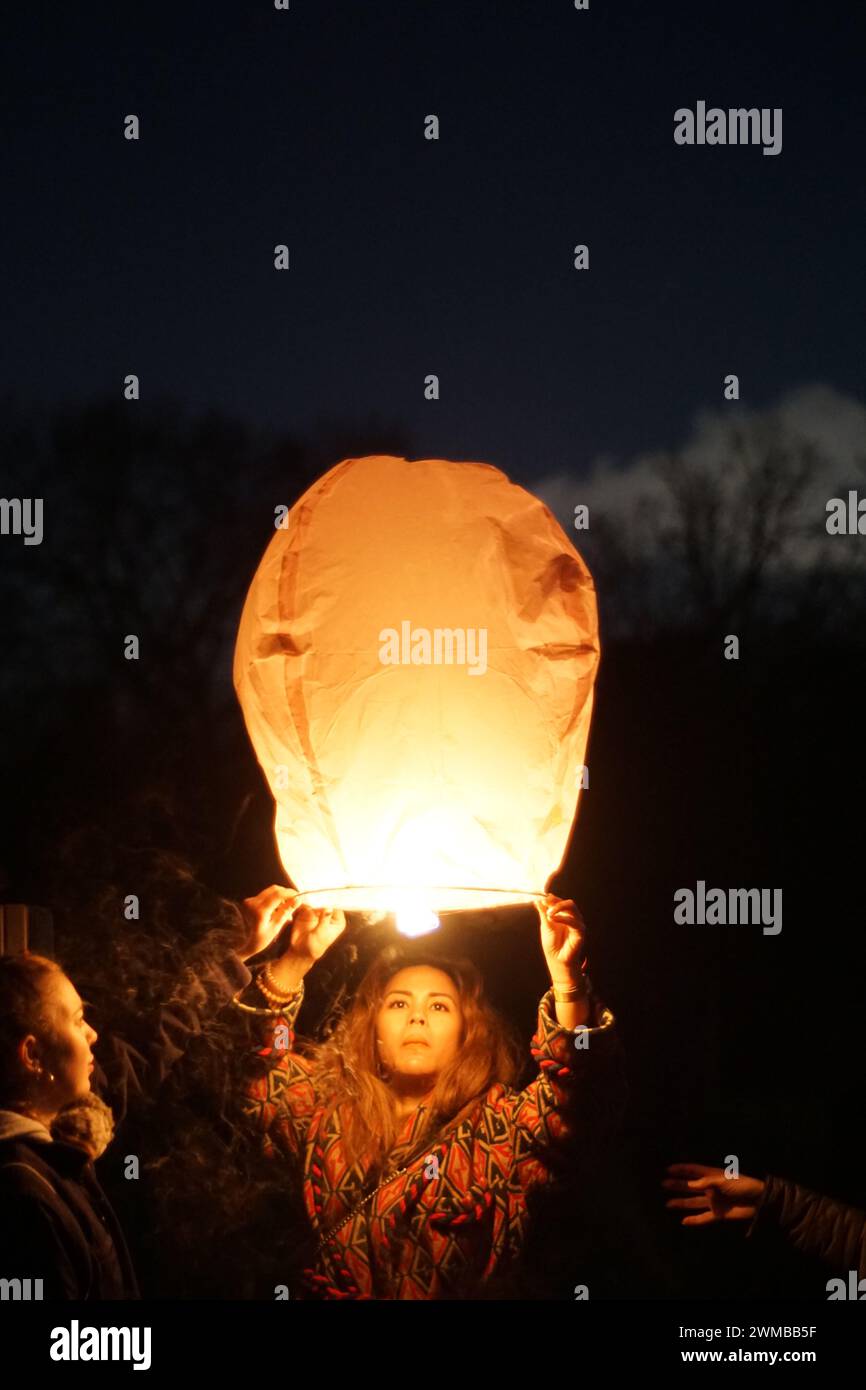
[(562, 936)]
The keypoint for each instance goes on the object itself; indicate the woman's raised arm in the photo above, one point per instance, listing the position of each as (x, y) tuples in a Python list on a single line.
[(279, 1097), (577, 1101)]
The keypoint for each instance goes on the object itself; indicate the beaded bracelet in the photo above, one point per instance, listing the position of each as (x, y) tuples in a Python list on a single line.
[(278, 1005), (272, 995)]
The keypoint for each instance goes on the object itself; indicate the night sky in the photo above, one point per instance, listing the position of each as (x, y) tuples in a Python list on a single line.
[(410, 256)]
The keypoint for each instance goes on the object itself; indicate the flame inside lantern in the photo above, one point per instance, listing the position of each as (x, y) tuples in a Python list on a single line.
[(414, 916)]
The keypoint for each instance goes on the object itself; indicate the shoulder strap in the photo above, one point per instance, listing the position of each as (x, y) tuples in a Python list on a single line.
[(425, 1143)]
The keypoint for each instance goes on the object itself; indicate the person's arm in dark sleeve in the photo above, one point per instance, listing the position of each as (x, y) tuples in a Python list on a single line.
[(815, 1225)]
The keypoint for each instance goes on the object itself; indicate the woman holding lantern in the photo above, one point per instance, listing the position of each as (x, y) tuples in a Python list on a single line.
[(417, 1155), (422, 782)]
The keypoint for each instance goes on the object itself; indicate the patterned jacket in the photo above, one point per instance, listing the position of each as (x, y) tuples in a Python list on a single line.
[(457, 1214)]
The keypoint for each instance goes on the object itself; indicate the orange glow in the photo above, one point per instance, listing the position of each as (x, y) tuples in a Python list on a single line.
[(415, 664)]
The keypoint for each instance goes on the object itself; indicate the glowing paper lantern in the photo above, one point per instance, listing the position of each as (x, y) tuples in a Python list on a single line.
[(415, 664)]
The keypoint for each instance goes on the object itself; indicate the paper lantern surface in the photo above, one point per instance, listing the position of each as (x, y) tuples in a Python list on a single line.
[(415, 664)]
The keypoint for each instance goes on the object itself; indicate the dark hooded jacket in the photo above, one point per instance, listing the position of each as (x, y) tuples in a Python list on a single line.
[(56, 1223)]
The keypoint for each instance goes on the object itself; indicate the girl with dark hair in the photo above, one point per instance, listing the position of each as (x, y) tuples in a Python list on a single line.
[(417, 1155), (56, 1224)]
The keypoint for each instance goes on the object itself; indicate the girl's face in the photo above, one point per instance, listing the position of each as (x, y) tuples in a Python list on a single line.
[(66, 1050), (419, 1022)]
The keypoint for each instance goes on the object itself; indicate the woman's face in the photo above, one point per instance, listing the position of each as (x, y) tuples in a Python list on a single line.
[(419, 1022), (66, 1049)]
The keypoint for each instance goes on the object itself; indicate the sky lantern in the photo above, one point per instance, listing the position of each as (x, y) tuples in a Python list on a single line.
[(415, 664)]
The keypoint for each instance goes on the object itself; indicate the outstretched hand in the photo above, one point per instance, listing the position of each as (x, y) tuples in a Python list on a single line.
[(711, 1194)]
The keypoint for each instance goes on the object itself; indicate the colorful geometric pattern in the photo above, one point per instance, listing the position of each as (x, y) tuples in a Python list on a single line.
[(443, 1227)]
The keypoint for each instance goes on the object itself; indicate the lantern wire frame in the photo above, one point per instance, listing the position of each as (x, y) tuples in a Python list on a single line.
[(402, 895)]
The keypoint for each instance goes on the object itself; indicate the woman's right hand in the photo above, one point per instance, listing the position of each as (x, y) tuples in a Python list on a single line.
[(265, 916), (712, 1194), (314, 930)]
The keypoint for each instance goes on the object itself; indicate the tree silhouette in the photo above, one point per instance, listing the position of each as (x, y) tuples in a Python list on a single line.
[(725, 545)]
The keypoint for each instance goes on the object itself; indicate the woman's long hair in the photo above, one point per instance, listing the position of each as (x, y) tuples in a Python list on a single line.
[(346, 1066)]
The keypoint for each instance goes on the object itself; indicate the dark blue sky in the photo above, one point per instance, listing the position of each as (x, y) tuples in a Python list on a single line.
[(410, 256)]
